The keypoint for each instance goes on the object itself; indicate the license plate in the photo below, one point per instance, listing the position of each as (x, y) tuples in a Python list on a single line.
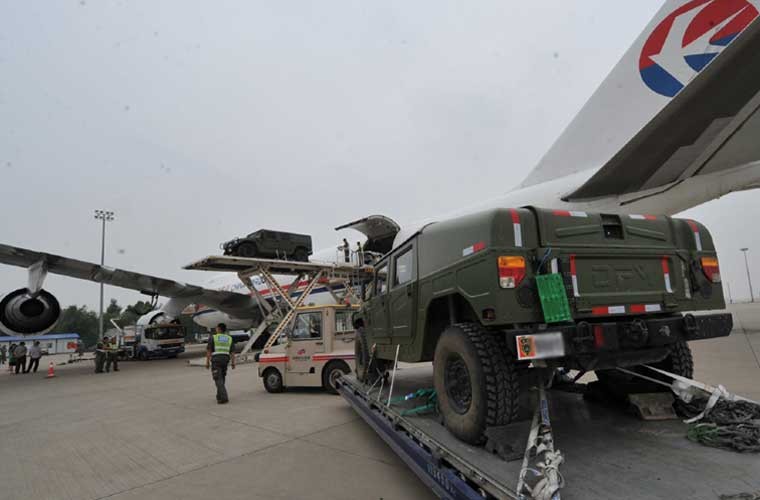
[(540, 346)]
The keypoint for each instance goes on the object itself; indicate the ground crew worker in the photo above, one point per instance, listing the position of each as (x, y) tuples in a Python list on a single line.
[(219, 353), (35, 353), (346, 250), (19, 354), (112, 353), (100, 357)]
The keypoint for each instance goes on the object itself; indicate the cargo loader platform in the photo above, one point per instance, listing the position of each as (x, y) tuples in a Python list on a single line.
[(608, 452)]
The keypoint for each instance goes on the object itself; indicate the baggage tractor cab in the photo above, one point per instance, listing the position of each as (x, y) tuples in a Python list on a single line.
[(315, 349)]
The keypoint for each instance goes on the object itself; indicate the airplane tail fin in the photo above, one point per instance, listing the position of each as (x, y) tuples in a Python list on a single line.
[(682, 102)]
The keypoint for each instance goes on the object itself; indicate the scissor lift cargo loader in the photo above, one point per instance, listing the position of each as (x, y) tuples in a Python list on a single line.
[(280, 307)]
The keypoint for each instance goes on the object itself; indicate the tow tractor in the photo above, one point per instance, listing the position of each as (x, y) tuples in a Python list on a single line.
[(318, 348)]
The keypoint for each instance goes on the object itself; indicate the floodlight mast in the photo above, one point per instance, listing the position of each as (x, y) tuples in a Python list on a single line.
[(103, 216)]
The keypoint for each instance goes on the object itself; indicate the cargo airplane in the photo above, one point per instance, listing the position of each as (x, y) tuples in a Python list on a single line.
[(674, 125)]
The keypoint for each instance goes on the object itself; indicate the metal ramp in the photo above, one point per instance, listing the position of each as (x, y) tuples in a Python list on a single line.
[(279, 308)]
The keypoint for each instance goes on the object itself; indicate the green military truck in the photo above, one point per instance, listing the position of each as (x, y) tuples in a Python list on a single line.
[(485, 295)]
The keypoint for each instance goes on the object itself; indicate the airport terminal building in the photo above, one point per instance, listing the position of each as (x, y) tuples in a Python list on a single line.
[(57, 343)]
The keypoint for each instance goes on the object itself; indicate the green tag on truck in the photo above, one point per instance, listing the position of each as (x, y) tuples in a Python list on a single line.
[(487, 294)]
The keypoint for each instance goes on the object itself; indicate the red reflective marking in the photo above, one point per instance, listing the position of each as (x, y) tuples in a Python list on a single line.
[(515, 216), (477, 247), (273, 360), (599, 310), (598, 336), (693, 225), (572, 265), (665, 267), (332, 356), (562, 213), (638, 308), (650, 217)]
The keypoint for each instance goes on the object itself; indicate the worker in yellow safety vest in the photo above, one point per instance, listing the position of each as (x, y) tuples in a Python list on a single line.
[(219, 354), (112, 353)]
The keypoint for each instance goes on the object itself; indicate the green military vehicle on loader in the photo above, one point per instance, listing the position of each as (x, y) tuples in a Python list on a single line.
[(488, 295)]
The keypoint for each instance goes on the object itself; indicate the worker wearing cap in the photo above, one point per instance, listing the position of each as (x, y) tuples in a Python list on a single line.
[(219, 353)]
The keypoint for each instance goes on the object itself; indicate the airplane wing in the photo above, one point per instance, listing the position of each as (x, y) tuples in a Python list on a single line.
[(232, 303), (682, 103)]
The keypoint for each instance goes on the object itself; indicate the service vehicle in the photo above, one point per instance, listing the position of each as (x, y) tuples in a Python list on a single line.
[(269, 244), (317, 349), (163, 340), (485, 295)]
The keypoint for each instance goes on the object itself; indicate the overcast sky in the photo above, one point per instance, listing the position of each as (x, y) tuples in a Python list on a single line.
[(196, 122)]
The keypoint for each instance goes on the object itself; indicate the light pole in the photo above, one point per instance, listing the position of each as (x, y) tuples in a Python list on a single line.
[(103, 216), (749, 280)]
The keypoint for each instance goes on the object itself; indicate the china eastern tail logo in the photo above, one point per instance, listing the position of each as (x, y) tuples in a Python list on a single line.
[(688, 39)]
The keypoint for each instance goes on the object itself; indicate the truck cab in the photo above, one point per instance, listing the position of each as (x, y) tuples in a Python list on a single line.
[(316, 348), (164, 340)]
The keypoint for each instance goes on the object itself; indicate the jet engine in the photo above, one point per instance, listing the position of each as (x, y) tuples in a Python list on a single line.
[(22, 313)]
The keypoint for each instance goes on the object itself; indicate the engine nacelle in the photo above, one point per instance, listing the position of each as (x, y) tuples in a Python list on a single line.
[(22, 314)]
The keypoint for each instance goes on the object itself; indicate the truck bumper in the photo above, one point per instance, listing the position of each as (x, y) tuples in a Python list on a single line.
[(629, 342)]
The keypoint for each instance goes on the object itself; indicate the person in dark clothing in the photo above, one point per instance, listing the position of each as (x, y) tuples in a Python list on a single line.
[(100, 357), (219, 353), (19, 354)]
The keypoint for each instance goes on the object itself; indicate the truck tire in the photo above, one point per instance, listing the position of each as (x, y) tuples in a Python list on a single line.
[(366, 372), (246, 249), (273, 380), (476, 382), (143, 355), (679, 361), (301, 254), (330, 372)]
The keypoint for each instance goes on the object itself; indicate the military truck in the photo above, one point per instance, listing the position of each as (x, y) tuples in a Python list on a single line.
[(489, 295), (269, 244)]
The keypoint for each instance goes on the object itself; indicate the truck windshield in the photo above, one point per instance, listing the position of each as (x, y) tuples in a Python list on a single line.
[(165, 333)]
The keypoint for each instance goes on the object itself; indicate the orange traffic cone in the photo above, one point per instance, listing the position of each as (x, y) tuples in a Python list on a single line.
[(51, 371)]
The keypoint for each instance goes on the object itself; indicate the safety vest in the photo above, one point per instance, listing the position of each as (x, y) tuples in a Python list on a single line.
[(113, 346), (222, 343)]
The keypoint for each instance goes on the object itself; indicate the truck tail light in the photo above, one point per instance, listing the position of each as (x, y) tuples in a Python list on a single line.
[(511, 270), (711, 269)]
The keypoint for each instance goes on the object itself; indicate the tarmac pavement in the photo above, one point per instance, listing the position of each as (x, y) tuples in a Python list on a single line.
[(154, 431)]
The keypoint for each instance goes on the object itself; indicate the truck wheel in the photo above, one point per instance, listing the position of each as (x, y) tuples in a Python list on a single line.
[(330, 374), (366, 373), (476, 383), (143, 356), (246, 249), (679, 361), (273, 380), (301, 254)]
